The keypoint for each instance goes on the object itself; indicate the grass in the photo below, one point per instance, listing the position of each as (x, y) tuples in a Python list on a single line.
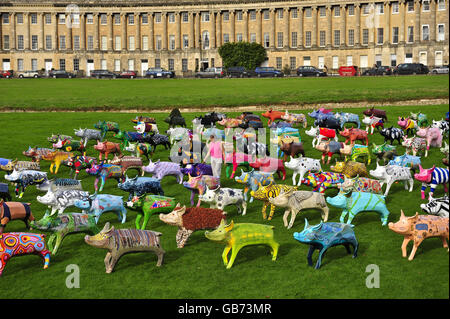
[(196, 271), (119, 94)]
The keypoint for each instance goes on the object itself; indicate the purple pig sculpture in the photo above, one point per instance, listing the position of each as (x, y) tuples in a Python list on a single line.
[(160, 169)]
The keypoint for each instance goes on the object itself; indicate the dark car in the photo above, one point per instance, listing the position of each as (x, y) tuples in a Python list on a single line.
[(60, 74), (268, 72), (6, 74), (239, 72), (380, 70), (101, 74), (411, 68), (211, 73), (159, 73), (128, 74), (310, 71)]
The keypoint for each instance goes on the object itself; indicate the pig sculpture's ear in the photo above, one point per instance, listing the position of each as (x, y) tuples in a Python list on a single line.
[(229, 226), (402, 214), (306, 224), (106, 228)]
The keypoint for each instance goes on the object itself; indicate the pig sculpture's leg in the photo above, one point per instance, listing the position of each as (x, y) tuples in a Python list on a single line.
[(225, 254), (444, 242), (354, 244), (325, 211), (405, 245), (342, 218), (45, 254), (272, 210), (417, 243), (264, 210), (293, 216), (59, 239), (274, 249), (138, 219), (146, 219), (285, 216), (234, 253), (319, 260), (123, 212), (310, 253)]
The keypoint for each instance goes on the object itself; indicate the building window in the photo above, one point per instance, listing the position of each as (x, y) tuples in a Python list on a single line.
[(158, 42), (379, 35), (117, 65), (76, 64), (103, 64), (158, 17), (335, 62), (393, 60), (48, 42), (395, 35), (117, 44), (205, 16), (337, 37), (266, 15), (131, 18), (365, 37), (212, 62), (130, 65), (425, 33), (293, 62), (294, 39), (185, 17), (239, 37), (157, 63), (62, 42), (226, 38), (34, 65), (294, 13), (280, 14), (103, 19), (365, 9), (323, 11), (6, 42), (90, 41), (184, 65), (62, 64), (20, 64), (425, 5), (252, 37), (171, 42), (185, 41), (351, 9), (349, 60), (441, 4), (239, 16), (279, 63), (116, 19), (410, 34), (351, 37), (307, 38), (75, 18), (76, 42), (410, 6), (33, 18), (308, 12), (89, 18), (441, 32), (322, 38), (171, 17), (171, 65), (104, 43), (48, 18), (205, 38), (252, 14), (34, 42), (337, 11), (266, 40), (395, 8), (61, 18), (279, 39), (380, 8), (5, 18), (131, 46), (145, 43), (226, 16)]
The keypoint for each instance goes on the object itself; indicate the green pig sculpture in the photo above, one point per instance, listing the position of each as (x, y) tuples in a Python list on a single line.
[(147, 205), (237, 236)]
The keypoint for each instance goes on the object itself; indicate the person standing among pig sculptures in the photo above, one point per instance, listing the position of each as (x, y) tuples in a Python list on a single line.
[(217, 154)]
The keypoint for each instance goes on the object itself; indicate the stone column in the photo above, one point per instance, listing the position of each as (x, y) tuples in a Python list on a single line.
[(219, 38), (13, 29), (69, 43), (300, 29), (178, 37), (164, 32), (124, 31), (246, 37), (41, 31), (55, 33), (198, 33), (259, 33), (27, 37), (433, 26), (272, 29), (233, 26), (329, 33), (417, 26), (110, 19), (191, 30), (137, 19), (402, 28), (343, 40), (286, 18), (212, 41), (358, 24), (387, 23), (314, 32), (96, 31), (82, 31), (151, 36)]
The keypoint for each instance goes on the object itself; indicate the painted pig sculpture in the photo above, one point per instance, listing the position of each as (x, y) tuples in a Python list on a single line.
[(418, 228), (390, 174), (138, 186), (160, 169), (376, 112), (270, 165), (322, 180), (252, 180), (60, 200), (105, 148), (324, 236), (97, 204), (384, 151), (104, 172), (62, 225), (237, 236), (25, 178), (437, 206), (432, 135), (191, 219), (353, 134), (432, 177), (13, 211), (350, 169), (221, 197), (199, 184), (123, 241), (147, 205), (302, 166)]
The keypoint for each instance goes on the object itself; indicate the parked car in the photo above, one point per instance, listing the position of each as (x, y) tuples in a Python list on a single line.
[(28, 74), (239, 72), (411, 68), (128, 74), (268, 71), (101, 74), (440, 70), (159, 73), (6, 74), (211, 73), (310, 71), (380, 70), (60, 74)]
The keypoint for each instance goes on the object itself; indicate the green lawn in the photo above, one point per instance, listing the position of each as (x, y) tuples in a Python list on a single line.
[(91, 94), (196, 271)]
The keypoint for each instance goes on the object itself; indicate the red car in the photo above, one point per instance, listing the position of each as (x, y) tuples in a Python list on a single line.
[(128, 74), (6, 74)]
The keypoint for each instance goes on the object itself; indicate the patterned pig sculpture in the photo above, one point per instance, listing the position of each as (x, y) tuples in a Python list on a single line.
[(221, 197), (302, 166), (147, 205), (13, 211), (160, 169), (323, 180), (353, 134), (431, 178), (432, 135), (437, 206), (252, 180), (60, 200), (350, 169), (390, 174), (25, 178), (138, 186), (97, 204), (199, 184), (264, 193)]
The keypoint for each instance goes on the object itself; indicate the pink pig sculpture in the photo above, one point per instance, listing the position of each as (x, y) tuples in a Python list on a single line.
[(433, 136), (432, 177)]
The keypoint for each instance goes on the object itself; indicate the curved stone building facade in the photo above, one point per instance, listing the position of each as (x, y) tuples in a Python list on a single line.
[(184, 35)]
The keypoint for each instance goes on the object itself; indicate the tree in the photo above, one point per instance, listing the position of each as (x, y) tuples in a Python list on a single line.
[(248, 55)]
